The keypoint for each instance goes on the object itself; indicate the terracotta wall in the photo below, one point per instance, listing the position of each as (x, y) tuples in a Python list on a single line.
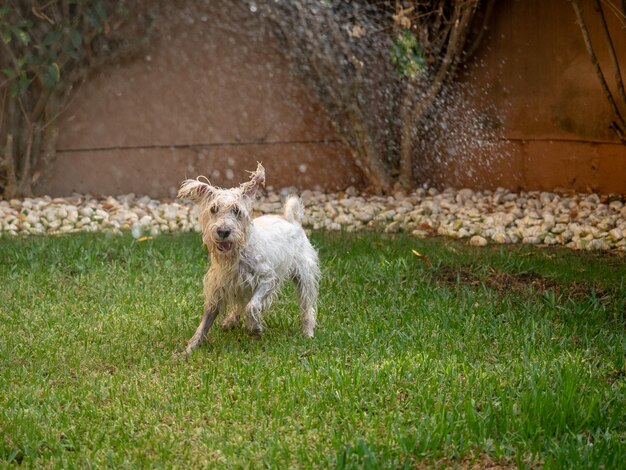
[(535, 79), (213, 95)]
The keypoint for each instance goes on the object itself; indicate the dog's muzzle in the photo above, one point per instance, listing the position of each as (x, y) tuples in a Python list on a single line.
[(222, 243), (224, 247)]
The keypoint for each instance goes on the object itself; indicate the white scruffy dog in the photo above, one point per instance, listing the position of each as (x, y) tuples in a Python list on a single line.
[(250, 258)]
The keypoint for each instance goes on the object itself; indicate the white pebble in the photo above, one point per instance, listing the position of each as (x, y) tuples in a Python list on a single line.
[(477, 240), (577, 221)]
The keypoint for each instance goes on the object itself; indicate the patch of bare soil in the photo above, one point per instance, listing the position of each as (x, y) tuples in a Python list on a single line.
[(480, 462), (503, 282)]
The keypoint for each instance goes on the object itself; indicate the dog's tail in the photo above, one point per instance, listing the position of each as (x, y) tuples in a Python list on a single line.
[(294, 210)]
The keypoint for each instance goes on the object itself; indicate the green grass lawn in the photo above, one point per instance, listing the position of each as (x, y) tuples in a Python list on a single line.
[(502, 355)]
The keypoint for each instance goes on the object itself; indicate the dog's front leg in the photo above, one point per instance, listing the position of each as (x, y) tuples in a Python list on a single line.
[(208, 318), (232, 319), (260, 301)]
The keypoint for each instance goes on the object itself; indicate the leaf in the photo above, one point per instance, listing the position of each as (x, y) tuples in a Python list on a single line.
[(30, 59), (22, 36), (121, 11), (101, 11), (407, 55), (10, 73), (51, 76), (97, 15), (6, 36), (52, 37), (92, 20), (421, 257), (143, 239), (69, 50), (23, 83), (20, 61), (23, 23), (76, 38), (54, 68)]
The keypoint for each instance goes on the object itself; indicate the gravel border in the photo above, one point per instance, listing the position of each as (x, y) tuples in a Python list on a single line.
[(578, 221)]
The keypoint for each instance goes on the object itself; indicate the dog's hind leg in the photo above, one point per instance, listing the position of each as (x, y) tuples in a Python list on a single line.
[(306, 282), (260, 302), (208, 318)]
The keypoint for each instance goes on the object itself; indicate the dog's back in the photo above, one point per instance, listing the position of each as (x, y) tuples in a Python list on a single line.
[(281, 239)]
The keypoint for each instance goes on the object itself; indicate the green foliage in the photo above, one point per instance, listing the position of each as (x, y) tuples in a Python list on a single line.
[(407, 55), (44, 40), (46, 46)]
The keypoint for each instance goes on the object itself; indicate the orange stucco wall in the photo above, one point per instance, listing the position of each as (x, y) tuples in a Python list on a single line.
[(213, 95), (539, 84)]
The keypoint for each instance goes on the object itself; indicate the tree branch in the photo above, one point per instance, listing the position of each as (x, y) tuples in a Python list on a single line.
[(460, 21), (594, 60), (479, 37), (612, 54)]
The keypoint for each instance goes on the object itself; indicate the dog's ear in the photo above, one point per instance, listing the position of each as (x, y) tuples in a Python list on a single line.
[(257, 179), (195, 190)]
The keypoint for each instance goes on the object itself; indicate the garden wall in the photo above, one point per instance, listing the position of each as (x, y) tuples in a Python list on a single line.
[(212, 95), (534, 77)]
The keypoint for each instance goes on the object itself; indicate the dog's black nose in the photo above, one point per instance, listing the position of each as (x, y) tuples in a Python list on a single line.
[(223, 234)]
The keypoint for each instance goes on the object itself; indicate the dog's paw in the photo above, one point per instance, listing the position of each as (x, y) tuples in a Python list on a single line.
[(229, 323), (255, 331)]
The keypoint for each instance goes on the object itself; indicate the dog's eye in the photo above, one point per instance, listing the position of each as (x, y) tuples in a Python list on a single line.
[(236, 211), (213, 209)]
